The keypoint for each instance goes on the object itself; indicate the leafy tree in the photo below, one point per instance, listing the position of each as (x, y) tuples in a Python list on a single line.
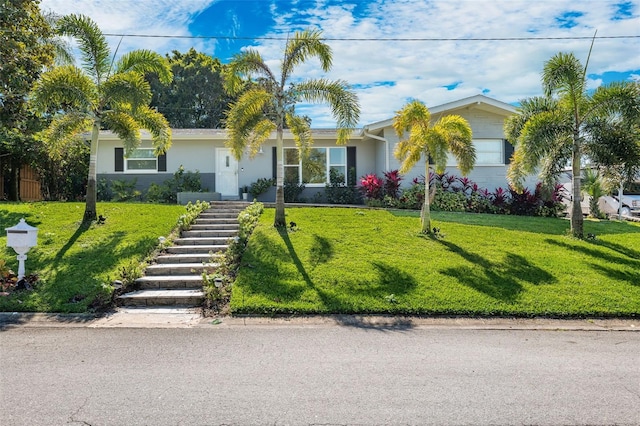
[(99, 94), (450, 133), (24, 53), (196, 98), (560, 128), (248, 120)]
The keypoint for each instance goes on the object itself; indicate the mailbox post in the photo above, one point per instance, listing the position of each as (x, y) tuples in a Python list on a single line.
[(21, 238)]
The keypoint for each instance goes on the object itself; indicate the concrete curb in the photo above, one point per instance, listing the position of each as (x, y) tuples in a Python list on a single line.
[(193, 319)]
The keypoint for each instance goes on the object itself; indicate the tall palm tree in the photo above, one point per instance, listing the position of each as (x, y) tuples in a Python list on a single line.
[(450, 133), (248, 123), (555, 130), (101, 94)]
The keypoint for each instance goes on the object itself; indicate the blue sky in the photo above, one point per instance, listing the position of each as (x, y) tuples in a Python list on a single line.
[(387, 69)]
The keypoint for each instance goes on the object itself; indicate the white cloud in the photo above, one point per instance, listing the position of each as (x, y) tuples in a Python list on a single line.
[(158, 17), (507, 70)]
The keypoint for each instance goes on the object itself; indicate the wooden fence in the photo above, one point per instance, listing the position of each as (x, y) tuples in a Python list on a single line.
[(29, 185)]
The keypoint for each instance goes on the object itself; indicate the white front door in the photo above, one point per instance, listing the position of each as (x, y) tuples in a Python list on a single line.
[(226, 173)]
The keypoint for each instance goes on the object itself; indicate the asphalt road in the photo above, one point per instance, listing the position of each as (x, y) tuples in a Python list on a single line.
[(325, 375)]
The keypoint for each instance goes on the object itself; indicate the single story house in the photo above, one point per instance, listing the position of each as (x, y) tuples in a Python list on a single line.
[(370, 150)]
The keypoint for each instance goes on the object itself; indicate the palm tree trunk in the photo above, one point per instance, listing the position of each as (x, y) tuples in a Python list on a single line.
[(425, 213), (90, 209), (280, 220), (577, 221)]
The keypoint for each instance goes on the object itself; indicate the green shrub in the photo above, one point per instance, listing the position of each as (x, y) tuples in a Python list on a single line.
[(168, 191), (103, 189), (450, 201), (124, 190), (292, 192), (193, 211), (337, 192), (218, 294), (261, 186)]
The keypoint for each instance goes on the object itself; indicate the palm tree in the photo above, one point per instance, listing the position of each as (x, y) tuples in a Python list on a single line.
[(450, 133), (552, 131), (100, 94), (593, 186), (268, 104)]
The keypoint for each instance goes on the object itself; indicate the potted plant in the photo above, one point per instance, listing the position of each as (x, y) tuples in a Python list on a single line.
[(245, 192)]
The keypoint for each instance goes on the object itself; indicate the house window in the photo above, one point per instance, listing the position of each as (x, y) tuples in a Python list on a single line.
[(489, 151), (316, 169), (142, 159)]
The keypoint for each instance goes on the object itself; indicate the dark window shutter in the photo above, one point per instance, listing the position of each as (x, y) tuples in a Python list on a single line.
[(351, 165), (162, 163), (508, 151), (119, 159), (274, 162)]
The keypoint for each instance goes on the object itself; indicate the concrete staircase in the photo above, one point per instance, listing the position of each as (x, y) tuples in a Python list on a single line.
[(175, 280)]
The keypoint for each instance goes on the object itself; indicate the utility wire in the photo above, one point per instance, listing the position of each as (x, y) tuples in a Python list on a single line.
[(219, 37)]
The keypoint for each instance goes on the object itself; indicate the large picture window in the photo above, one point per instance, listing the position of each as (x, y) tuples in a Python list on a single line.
[(489, 151), (319, 168), (142, 159)]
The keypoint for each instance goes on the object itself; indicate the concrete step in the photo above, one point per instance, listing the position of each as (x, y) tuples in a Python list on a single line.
[(229, 204), (215, 226), (216, 221), (236, 211), (207, 233), (186, 258), (201, 241), (218, 215), (169, 269), (170, 281), (162, 297), (197, 249)]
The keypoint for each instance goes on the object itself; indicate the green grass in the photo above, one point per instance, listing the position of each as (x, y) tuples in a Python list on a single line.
[(374, 261), (77, 263)]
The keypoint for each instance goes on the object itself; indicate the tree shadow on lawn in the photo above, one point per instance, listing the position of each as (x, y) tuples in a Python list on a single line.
[(9, 219), (321, 250), (627, 257), (534, 224), (83, 267), (267, 278), (497, 280)]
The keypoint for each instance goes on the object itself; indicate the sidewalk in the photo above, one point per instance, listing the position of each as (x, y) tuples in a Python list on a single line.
[(191, 318)]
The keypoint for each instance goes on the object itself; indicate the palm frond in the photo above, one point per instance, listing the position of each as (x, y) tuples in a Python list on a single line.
[(244, 116), (65, 87), (126, 87), (517, 171), (344, 104), (301, 132), (415, 113), (260, 132), (126, 127), (153, 121), (616, 101), (458, 138), (145, 61), (563, 74), (63, 130), (303, 46), (93, 45), (413, 119), (245, 64), (527, 109)]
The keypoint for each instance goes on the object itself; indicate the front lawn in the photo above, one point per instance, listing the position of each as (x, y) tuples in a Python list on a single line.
[(340, 260), (77, 263)]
